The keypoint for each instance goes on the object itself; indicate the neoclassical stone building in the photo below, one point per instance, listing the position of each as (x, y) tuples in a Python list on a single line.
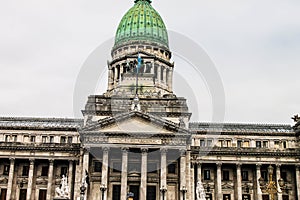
[(136, 139)]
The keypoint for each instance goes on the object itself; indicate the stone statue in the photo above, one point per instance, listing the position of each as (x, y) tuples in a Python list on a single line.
[(296, 119), (63, 190), (200, 193)]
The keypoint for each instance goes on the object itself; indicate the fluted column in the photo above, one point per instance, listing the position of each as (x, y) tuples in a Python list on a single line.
[(10, 178), (124, 173), (239, 182), (143, 189), (182, 172), (30, 179), (298, 180), (258, 175), (104, 178), (50, 179), (163, 174), (219, 181), (70, 176), (278, 176)]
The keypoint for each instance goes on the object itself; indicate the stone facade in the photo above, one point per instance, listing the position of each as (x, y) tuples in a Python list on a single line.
[(136, 139)]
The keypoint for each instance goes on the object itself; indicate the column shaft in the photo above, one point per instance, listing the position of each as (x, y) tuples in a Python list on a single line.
[(279, 193), (163, 174), (143, 189), (219, 181), (85, 168), (70, 177), (159, 74), (182, 173), (30, 178), (239, 182), (10, 178), (199, 172), (124, 173), (298, 181), (50, 179), (258, 175), (104, 178)]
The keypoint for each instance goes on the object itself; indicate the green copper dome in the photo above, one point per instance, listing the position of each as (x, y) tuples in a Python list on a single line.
[(142, 23)]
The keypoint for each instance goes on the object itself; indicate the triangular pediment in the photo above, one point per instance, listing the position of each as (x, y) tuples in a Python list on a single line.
[(134, 122)]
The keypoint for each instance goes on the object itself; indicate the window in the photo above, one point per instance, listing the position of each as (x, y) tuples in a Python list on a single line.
[(63, 171), (62, 139), (7, 138), (206, 174), (284, 145), (265, 144), (51, 139), (258, 144), (172, 168), (202, 143), (225, 175), (32, 139), (209, 143), (239, 143), (14, 138), (25, 170), (276, 144), (246, 197), (97, 166), (228, 143), (220, 143), (244, 175), (284, 176), (44, 139), (44, 171), (264, 175), (226, 196), (70, 139), (6, 170)]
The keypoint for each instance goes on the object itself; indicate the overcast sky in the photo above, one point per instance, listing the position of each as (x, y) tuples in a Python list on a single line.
[(255, 45)]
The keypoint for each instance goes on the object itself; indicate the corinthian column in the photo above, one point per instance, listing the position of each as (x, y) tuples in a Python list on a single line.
[(105, 171), (239, 182), (258, 175), (124, 173), (219, 181), (30, 178), (10, 178), (50, 179), (143, 189), (163, 174)]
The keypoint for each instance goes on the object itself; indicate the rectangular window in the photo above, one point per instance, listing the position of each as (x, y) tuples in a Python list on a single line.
[(239, 143), (265, 144), (44, 171), (6, 170), (44, 139), (220, 143), (202, 143), (172, 168), (25, 170), (206, 174), (97, 166), (228, 143), (151, 192), (246, 197), (32, 139), (62, 139), (209, 143), (284, 144), (63, 171), (258, 144), (116, 192), (225, 175), (51, 139), (14, 138), (70, 139), (244, 175), (7, 138)]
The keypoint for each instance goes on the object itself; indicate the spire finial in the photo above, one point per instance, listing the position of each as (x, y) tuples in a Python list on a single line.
[(149, 1)]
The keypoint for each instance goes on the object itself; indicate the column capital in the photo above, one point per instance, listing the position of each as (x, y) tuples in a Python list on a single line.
[(199, 164), (105, 149), (51, 161), (258, 166), (238, 165), (297, 166), (163, 150), (182, 152), (219, 164), (144, 150), (31, 161), (124, 149), (278, 165), (12, 160)]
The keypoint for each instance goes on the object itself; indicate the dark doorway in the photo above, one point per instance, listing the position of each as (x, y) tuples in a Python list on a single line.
[(246, 197), (42, 194), (3, 194), (265, 197), (23, 193), (116, 192), (135, 189), (151, 192)]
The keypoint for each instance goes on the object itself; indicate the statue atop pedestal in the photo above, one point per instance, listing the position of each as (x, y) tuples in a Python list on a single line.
[(296, 127), (62, 192)]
